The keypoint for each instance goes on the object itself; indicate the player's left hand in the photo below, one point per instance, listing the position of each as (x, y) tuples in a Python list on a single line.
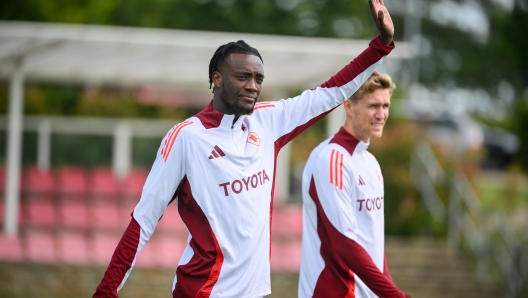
[(383, 20)]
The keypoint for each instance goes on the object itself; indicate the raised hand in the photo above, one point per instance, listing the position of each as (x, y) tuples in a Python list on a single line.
[(383, 20)]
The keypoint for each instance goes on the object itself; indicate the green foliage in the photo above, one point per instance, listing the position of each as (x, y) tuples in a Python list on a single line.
[(3, 98), (482, 64), (50, 99), (477, 64), (81, 150), (144, 152), (509, 45), (521, 126), (255, 16), (68, 11)]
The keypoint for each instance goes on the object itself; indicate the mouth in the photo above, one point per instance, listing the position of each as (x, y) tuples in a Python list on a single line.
[(377, 125), (248, 99)]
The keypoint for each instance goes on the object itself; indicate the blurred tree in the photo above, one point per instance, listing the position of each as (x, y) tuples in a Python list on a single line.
[(51, 99), (491, 51), (63, 11), (294, 17), (472, 62), (521, 128)]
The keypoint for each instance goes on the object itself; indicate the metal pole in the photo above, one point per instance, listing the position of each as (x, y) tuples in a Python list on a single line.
[(453, 215), (122, 150), (14, 149), (44, 145)]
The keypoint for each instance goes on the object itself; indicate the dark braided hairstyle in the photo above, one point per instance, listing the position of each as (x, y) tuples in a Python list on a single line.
[(239, 47)]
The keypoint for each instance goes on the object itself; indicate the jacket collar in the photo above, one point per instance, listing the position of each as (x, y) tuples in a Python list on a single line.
[(213, 119), (349, 142)]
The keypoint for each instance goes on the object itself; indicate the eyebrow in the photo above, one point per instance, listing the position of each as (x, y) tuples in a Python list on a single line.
[(246, 72)]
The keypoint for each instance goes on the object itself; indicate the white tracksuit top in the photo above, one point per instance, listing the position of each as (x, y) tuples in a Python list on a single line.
[(221, 176), (343, 223)]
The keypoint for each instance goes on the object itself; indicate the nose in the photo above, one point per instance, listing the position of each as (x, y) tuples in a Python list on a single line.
[(381, 113), (252, 85)]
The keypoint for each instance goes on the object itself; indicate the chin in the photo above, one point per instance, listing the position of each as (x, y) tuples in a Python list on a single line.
[(376, 135), (241, 110)]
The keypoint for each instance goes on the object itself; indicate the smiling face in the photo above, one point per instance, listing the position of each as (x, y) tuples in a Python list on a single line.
[(366, 117), (238, 83)]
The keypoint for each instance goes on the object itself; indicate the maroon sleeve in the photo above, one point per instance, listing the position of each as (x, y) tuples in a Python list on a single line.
[(372, 54), (121, 261), (376, 50), (360, 262), (355, 257)]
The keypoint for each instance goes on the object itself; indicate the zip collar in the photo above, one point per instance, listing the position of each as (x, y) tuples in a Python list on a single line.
[(213, 119), (349, 142)]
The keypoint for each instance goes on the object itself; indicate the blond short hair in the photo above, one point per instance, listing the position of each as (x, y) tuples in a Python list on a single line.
[(374, 82)]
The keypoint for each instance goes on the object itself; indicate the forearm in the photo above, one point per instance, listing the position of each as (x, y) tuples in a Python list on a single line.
[(121, 261), (364, 63), (360, 262), (297, 114)]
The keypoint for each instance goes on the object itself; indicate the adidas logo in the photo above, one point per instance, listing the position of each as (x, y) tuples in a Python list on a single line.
[(361, 182), (217, 152)]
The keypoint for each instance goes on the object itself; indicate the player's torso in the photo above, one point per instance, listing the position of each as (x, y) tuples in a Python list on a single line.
[(368, 204), (230, 172)]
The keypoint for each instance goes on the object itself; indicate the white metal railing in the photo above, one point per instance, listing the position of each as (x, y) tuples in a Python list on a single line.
[(427, 177), (121, 129), (490, 236)]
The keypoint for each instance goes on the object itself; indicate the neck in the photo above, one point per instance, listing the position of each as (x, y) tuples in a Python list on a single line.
[(220, 107), (350, 129)]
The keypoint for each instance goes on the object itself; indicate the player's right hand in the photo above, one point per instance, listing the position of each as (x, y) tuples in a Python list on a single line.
[(383, 20)]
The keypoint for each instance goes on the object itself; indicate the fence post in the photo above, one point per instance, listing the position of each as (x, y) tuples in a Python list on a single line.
[(122, 150), (14, 149), (453, 215), (44, 145)]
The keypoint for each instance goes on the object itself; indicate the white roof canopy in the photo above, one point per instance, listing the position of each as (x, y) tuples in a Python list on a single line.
[(140, 56)]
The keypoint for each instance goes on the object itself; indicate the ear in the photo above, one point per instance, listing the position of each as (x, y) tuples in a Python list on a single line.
[(348, 107), (217, 79)]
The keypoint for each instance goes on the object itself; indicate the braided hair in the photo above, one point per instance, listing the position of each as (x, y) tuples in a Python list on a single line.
[(239, 47)]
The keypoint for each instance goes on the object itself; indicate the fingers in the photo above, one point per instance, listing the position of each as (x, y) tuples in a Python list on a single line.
[(380, 16), (374, 8), (376, 2)]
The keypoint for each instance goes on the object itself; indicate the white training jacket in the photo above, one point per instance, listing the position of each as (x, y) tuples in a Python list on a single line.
[(343, 223), (221, 176)]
